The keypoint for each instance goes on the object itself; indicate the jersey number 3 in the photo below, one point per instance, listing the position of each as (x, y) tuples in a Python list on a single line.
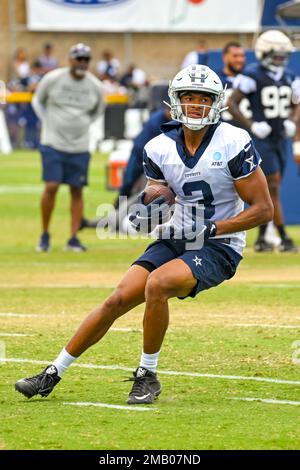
[(203, 190)]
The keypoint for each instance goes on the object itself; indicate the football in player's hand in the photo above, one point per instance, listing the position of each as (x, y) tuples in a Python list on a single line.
[(157, 190)]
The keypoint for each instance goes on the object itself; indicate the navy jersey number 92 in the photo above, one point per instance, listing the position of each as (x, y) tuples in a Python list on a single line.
[(270, 99)]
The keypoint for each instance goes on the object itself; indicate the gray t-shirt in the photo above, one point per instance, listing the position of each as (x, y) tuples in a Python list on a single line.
[(67, 107)]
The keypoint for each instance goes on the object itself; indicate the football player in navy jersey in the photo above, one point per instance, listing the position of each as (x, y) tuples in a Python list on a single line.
[(234, 61), (212, 168), (273, 92)]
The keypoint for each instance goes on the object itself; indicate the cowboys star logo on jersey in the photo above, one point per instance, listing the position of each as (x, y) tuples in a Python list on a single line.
[(251, 162)]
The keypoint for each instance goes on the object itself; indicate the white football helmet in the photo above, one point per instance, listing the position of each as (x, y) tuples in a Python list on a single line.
[(272, 49), (196, 78)]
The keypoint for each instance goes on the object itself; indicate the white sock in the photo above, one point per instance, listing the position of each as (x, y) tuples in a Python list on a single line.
[(149, 361), (63, 361)]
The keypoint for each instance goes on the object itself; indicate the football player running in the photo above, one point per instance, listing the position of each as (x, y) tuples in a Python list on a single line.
[(273, 92), (213, 168)]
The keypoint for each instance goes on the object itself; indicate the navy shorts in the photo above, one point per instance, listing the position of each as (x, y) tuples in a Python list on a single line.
[(65, 167), (212, 264), (274, 154)]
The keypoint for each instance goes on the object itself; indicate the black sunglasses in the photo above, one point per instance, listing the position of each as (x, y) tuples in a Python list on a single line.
[(82, 59)]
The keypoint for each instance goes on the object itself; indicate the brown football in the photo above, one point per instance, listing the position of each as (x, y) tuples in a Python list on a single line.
[(157, 190)]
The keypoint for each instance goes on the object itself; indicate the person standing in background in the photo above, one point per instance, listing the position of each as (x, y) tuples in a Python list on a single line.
[(47, 60), (234, 61), (108, 66), (67, 100), (199, 56), (21, 68)]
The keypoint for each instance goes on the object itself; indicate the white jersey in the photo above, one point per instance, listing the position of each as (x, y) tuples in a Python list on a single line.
[(206, 180)]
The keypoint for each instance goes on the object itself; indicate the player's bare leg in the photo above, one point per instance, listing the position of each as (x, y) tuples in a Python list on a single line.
[(274, 182), (173, 279), (76, 208), (128, 294), (47, 206), (47, 203)]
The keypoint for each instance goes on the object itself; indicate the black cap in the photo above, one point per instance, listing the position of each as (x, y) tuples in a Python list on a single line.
[(80, 50)]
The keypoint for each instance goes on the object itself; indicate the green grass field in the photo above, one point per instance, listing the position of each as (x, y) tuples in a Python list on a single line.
[(238, 334)]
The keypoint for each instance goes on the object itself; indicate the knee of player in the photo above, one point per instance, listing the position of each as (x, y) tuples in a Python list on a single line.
[(76, 192), (157, 287), (115, 302), (269, 212), (51, 189)]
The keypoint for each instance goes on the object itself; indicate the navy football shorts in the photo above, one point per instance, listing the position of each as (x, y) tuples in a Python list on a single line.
[(65, 167), (212, 264), (274, 154)]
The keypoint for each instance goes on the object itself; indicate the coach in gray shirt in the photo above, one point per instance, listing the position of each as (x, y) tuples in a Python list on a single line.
[(67, 101)]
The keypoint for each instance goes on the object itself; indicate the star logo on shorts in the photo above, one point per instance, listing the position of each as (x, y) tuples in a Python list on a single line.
[(198, 261), (251, 163)]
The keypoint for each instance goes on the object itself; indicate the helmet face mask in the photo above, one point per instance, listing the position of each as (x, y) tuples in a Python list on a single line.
[(272, 49), (275, 61), (196, 79)]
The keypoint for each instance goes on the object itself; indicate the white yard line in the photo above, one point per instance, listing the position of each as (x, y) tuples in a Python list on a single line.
[(18, 189), (268, 400), (55, 286), (24, 189), (101, 286), (26, 315), (14, 334), (275, 285), (162, 372), (20, 315), (265, 325), (139, 330), (106, 405)]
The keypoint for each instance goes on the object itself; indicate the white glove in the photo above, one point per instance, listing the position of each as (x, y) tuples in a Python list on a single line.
[(261, 129), (296, 151), (289, 128)]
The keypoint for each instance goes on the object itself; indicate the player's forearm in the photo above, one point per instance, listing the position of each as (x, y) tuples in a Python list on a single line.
[(295, 115), (97, 112), (39, 109), (296, 146), (255, 215), (237, 115)]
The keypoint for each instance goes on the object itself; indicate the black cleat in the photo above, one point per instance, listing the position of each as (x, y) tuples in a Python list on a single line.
[(42, 383), (145, 389), (86, 223), (74, 244), (261, 245), (287, 245)]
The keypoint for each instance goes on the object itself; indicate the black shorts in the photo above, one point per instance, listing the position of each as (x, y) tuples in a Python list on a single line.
[(64, 167), (212, 264)]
